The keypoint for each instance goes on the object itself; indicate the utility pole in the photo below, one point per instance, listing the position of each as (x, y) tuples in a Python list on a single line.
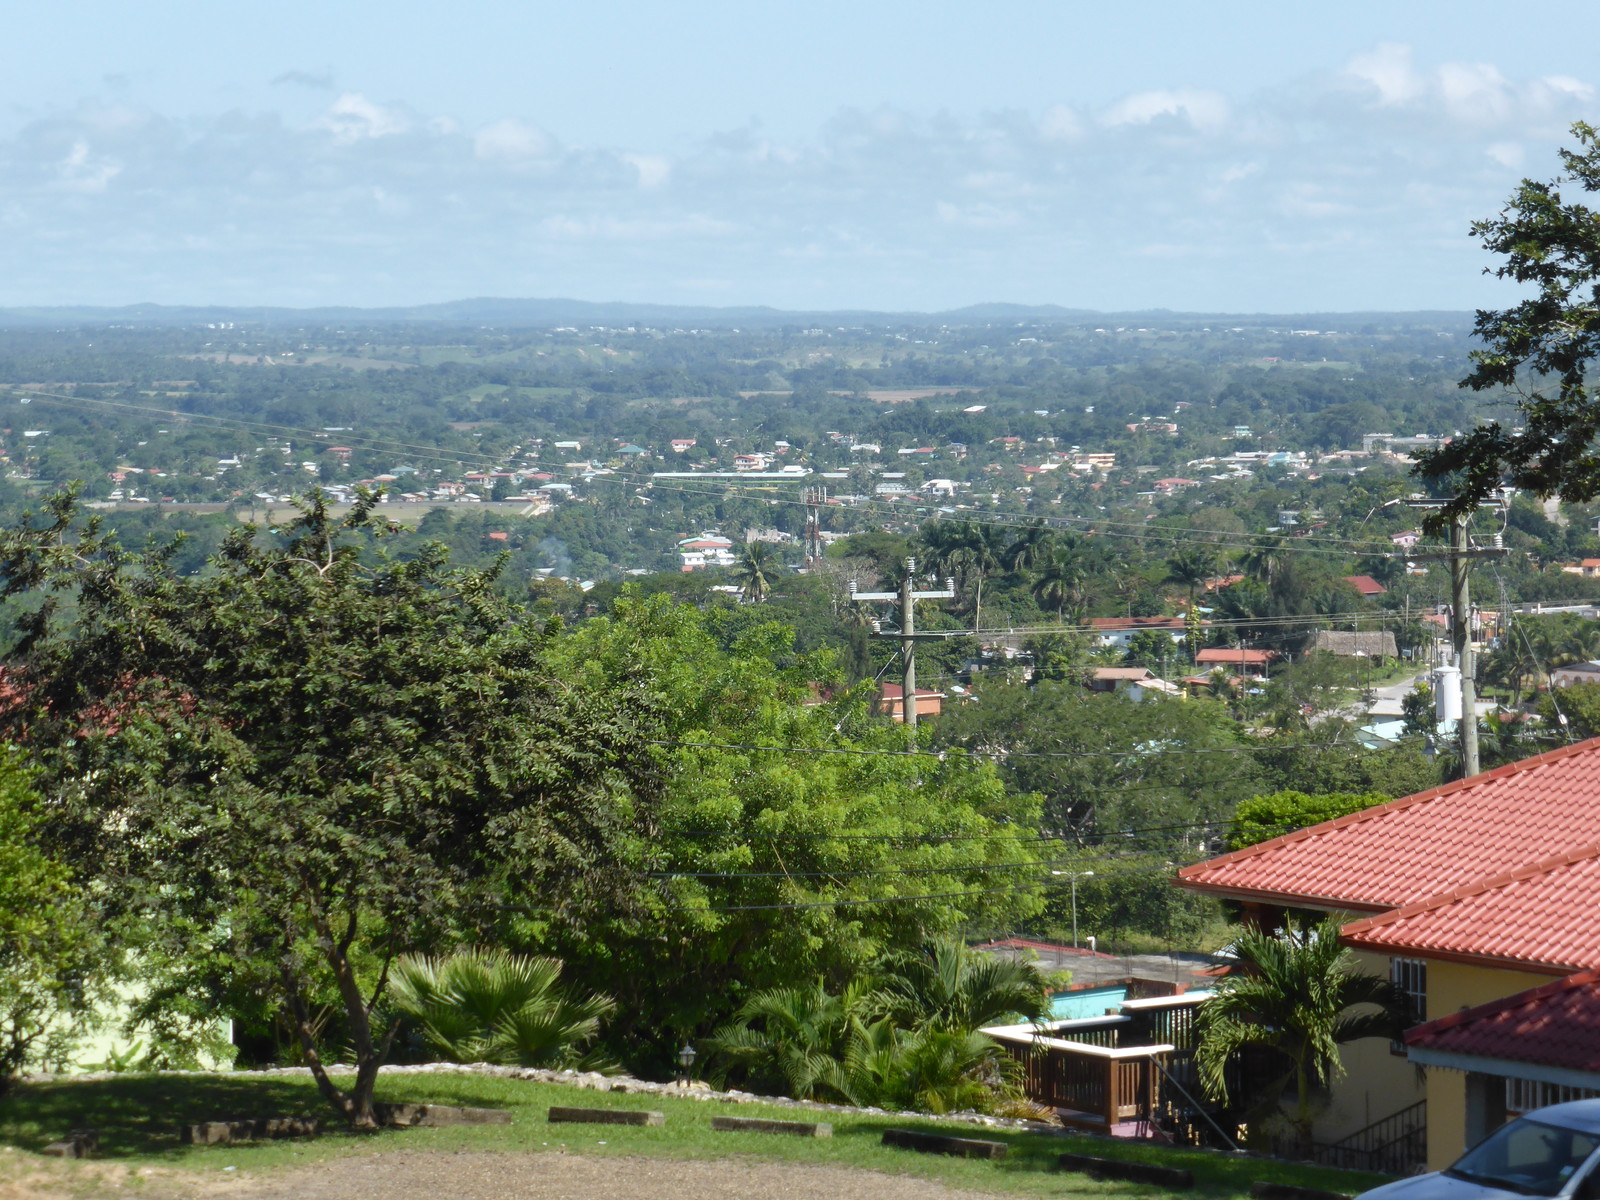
[(1460, 556), (908, 597), (1461, 636)]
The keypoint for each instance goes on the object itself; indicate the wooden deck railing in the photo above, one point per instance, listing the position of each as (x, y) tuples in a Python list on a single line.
[(1108, 1083)]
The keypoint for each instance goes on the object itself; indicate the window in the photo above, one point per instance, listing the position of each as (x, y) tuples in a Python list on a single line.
[(1525, 1095), (1410, 975)]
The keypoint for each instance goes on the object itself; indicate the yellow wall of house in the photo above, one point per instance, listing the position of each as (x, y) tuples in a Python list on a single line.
[(1452, 987), (1376, 1083)]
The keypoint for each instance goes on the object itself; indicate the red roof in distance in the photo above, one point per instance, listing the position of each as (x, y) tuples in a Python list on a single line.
[(1366, 585), (1228, 655)]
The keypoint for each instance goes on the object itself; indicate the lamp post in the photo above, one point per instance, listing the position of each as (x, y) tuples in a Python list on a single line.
[(686, 1057), (1075, 876)]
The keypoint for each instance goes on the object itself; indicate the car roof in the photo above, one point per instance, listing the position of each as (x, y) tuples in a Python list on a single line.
[(1582, 1115)]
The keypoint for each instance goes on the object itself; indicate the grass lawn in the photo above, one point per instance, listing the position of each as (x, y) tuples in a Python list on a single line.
[(137, 1117)]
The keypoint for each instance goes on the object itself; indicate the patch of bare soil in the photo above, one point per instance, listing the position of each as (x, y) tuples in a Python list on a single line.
[(500, 1176)]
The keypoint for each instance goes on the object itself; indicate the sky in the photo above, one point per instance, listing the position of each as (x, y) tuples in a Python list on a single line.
[(1221, 157)]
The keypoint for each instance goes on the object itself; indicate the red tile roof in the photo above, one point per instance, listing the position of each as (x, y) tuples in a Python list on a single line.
[(1366, 585), (1234, 655), (1557, 1025), (1418, 847), (1540, 916)]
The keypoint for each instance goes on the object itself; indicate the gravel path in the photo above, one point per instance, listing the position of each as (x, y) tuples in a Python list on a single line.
[(422, 1176)]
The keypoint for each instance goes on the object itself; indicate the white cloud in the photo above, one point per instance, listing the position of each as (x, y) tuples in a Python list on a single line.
[(352, 117), (1205, 110), (1508, 154), (512, 141), (1061, 124), (653, 169), (1388, 69)]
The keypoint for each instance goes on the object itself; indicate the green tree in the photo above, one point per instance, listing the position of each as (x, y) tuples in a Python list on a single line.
[(1191, 566), (1540, 349), (1298, 997), (49, 951), (767, 867), (311, 756), (1262, 818), (753, 569)]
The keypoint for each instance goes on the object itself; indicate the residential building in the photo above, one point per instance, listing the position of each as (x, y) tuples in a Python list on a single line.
[(1584, 672), (891, 702), (1466, 895), (1249, 663), (1119, 631)]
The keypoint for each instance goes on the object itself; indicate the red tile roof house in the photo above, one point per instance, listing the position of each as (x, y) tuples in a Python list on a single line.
[(1472, 895), (1366, 585), (1250, 663), (891, 702)]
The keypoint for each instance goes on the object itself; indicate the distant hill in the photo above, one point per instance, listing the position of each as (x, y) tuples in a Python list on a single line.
[(554, 312)]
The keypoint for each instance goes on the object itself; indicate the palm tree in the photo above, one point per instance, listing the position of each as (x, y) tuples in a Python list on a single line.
[(947, 986), (1060, 581), (1293, 996), (793, 1037), (967, 551), (490, 1006), (928, 1070), (1191, 566), (754, 570), (1033, 545)]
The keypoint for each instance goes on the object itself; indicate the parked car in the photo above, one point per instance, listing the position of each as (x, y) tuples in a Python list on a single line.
[(1552, 1152)]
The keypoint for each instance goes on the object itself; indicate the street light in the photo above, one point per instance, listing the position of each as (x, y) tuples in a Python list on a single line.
[(686, 1057), (1075, 876)]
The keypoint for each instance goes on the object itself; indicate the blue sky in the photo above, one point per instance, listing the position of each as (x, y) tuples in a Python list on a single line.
[(1221, 157)]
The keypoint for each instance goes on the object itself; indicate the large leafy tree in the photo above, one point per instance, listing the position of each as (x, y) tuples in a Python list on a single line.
[(309, 756), (796, 839), (1548, 239)]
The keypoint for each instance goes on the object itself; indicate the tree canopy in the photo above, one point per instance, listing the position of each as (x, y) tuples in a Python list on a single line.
[(1541, 348), (311, 754)]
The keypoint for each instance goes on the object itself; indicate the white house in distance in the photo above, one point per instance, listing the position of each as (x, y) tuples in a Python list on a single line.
[(709, 549)]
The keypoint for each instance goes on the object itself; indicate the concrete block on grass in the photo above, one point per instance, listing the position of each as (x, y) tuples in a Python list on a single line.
[(811, 1129), (80, 1143), (939, 1143), (1134, 1172), (605, 1116)]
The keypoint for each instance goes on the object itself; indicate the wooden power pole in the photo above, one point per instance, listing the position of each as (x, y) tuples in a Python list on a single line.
[(908, 597)]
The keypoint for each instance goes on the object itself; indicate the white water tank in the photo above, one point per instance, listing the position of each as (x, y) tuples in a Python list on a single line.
[(1447, 693)]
